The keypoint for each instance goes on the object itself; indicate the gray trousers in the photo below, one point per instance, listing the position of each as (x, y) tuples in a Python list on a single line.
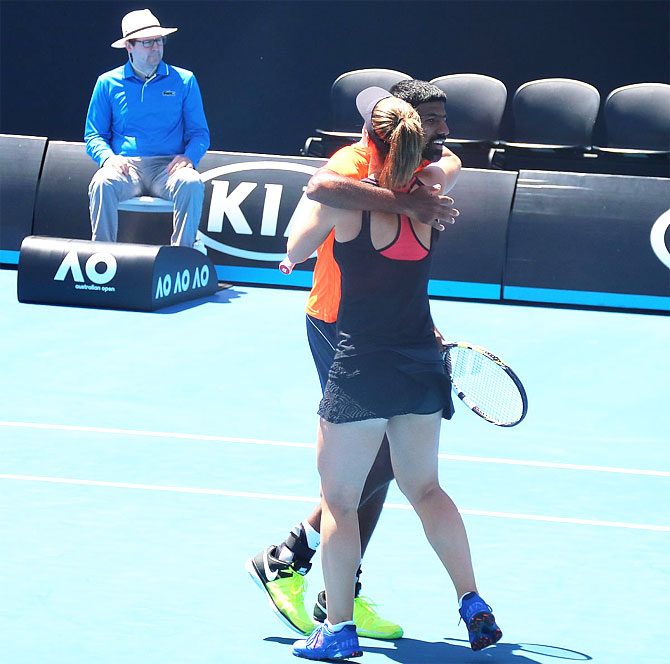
[(148, 176)]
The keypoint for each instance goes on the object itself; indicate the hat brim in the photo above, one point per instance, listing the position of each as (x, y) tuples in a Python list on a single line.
[(365, 103), (144, 34)]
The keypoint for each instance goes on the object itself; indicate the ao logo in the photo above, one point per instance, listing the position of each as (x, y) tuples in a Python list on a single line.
[(657, 238), (71, 264), (226, 204)]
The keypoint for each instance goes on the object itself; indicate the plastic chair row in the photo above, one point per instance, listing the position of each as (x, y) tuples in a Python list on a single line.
[(553, 118)]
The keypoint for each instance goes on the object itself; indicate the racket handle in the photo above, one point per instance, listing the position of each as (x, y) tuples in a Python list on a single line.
[(286, 266)]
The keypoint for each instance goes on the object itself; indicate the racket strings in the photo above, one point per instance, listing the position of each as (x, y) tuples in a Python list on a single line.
[(485, 384)]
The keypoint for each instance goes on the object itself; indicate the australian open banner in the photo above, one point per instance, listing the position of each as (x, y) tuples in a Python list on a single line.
[(110, 275)]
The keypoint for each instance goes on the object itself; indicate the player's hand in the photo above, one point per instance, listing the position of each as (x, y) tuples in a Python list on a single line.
[(427, 206), (180, 161), (441, 341), (118, 163)]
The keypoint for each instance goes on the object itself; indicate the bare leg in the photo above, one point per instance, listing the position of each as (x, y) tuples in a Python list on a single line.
[(374, 494), (414, 443), (314, 519), (368, 516), (345, 453), (372, 498)]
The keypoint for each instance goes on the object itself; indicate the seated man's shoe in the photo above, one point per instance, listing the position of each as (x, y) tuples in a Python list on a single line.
[(329, 646), (368, 622), (284, 587), (481, 623)]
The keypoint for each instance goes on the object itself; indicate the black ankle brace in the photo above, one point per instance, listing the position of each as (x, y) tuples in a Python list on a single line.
[(302, 554)]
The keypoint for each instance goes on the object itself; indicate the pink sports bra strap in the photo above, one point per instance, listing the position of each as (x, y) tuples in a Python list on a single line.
[(406, 246)]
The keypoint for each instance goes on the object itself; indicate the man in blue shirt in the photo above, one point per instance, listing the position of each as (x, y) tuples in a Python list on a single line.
[(146, 128)]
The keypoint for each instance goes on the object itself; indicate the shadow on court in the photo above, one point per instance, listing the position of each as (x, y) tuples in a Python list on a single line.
[(221, 297), (414, 651)]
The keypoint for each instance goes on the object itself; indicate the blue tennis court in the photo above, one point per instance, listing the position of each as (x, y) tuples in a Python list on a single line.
[(145, 457)]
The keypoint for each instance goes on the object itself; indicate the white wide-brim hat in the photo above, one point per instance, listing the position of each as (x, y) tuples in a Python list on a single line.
[(141, 24)]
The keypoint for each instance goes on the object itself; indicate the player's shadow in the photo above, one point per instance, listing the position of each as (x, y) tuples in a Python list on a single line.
[(455, 651)]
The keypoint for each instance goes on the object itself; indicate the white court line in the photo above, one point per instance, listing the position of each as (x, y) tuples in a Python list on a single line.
[(278, 443), (311, 499), (156, 434), (552, 464)]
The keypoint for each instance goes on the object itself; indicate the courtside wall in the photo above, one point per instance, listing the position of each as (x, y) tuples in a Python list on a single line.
[(530, 236)]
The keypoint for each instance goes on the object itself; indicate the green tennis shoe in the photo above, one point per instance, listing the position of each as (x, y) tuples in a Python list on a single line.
[(284, 587), (368, 622)]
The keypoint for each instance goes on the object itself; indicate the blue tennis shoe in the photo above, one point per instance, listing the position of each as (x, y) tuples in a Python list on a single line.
[(481, 623), (329, 646)]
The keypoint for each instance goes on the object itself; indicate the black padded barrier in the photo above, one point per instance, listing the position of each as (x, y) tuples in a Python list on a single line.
[(62, 201), (572, 238), (586, 239), (20, 163), (250, 200), (110, 275), (470, 255)]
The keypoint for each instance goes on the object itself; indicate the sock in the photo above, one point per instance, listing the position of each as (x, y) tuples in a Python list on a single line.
[(338, 626), (313, 538)]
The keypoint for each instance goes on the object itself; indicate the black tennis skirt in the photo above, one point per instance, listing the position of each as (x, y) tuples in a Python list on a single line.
[(386, 383)]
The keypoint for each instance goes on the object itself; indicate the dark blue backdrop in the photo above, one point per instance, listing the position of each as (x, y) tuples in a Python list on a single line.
[(265, 68)]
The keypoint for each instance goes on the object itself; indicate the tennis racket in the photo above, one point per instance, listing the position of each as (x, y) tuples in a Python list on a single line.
[(485, 384)]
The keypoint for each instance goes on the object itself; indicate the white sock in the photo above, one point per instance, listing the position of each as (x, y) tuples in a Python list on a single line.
[(313, 538), (338, 626)]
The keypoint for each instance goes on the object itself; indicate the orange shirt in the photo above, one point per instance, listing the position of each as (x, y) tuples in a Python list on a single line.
[(351, 161)]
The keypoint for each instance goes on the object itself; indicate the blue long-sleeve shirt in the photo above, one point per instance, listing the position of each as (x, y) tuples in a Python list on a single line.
[(133, 118)]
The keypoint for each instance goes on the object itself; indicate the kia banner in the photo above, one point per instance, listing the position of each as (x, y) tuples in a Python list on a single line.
[(251, 203)]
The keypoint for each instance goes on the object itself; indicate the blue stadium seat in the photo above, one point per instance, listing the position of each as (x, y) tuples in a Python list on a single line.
[(555, 112), (553, 121), (475, 107), (346, 121), (637, 117), (345, 89), (637, 124)]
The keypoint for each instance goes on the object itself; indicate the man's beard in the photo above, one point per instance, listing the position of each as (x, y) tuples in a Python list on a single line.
[(432, 151)]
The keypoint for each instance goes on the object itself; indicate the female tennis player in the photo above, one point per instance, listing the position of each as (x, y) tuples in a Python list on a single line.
[(387, 377)]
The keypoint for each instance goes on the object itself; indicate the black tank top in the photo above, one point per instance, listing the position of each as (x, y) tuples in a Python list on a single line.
[(384, 302)]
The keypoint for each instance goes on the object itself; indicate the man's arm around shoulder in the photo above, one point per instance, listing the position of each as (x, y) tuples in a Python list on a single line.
[(450, 165), (424, 204)]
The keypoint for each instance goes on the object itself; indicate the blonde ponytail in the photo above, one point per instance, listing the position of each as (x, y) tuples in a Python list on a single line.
[(399, 126)]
